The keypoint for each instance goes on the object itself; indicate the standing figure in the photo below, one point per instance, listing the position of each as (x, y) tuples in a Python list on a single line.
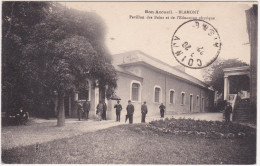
[(130, 111), (228, 111), (86, 107), (100, 110), (104, 115), (22, 116), (118, 108), (162, 110), (80, 110), (144, 111)]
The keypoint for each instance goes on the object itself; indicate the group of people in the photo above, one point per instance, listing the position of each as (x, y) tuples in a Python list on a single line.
[(83, 111), (130, 111), (102, 110)]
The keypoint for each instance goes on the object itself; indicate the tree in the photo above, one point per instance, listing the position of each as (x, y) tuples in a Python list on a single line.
[(64, 50), (214, 74), (18, 18)]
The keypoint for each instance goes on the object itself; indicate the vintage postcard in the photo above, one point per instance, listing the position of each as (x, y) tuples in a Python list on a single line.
[(129, 82)]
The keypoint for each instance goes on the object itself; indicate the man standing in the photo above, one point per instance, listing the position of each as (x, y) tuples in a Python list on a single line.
[(144, 111), (100, 110), (130, 111), (104, 115), (80, 110), (118, 108), (228, 111), (162, 110), (86, 107)]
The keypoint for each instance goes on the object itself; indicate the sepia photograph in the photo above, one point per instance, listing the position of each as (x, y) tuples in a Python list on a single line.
[(129, 82)]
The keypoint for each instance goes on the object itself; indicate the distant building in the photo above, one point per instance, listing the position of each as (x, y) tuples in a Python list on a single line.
[(245, 78)]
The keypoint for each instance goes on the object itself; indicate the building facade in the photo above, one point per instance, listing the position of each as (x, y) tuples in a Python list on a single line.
[(144, 78)]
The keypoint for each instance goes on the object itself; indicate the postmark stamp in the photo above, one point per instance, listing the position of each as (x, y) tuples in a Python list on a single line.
[(196, 44)]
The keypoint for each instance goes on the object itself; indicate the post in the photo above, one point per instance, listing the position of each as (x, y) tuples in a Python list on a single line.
[(226, 87)]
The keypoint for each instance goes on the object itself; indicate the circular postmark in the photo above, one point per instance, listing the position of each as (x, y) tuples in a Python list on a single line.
[(196, 44)]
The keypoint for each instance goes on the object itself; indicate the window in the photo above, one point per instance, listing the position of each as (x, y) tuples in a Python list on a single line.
[(84, 93), (202, 103), (182, 98), (83, 96), (157, 92), (172, 97), (135, 91), (198, 101)]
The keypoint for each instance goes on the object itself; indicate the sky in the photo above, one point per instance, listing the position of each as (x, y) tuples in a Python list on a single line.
[(153, 37)]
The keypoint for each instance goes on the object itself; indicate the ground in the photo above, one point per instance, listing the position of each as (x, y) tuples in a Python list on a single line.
[(41, 130), (93, 142)]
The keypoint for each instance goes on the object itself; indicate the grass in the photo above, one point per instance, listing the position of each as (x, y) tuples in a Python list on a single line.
[(135, 144)]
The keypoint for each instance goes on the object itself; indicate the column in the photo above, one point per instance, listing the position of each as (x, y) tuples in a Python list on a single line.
[(96, 99), (226, 87), (76, 96)]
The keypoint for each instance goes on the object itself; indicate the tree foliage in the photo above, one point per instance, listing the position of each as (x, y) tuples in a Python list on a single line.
[(214, 74), (57, 51), (18, 18)]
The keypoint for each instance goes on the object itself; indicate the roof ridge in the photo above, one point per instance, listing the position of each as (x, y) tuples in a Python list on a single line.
[(159, 61)]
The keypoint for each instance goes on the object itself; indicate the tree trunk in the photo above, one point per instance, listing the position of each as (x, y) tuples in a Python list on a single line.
[(61, 111)]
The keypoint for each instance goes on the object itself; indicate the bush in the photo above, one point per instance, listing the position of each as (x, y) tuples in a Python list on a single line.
[(213, 129)]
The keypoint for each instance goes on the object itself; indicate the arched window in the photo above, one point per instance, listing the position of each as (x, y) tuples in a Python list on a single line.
[(172, 96), (135, 91), (182, 98), (84, 93), (198, 101), (157, 94)]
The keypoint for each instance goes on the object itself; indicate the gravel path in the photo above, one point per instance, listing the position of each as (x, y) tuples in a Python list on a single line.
[(40, 130)]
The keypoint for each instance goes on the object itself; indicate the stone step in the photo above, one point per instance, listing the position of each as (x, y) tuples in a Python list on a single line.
[(242, 115), (242, 111), (242, 118), (244, 107)]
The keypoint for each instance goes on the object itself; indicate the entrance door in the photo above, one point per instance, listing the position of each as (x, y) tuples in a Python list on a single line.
[(191, 103)]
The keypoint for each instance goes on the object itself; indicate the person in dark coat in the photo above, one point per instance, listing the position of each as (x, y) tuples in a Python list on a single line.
[(118, 108), (86, 108), (162, 110), (104, 115), (228, 111), (22, 116), (80, 110), (144, 111), (130, 112)]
